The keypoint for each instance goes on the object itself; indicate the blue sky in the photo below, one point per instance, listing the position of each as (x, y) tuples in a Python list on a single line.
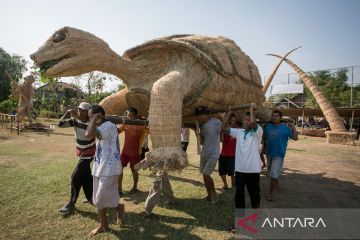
[(328, 30)]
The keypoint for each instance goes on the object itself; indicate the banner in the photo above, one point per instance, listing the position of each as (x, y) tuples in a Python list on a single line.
[(309, 223), (286, 88)]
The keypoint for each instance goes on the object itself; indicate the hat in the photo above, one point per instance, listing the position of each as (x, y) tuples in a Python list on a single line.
[(201, 110), (85, 106)]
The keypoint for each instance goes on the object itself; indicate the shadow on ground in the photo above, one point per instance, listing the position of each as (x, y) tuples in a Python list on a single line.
[(306, 190), (298, 190)]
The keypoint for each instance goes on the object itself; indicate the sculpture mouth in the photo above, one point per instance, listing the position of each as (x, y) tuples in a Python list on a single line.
[(49, 64)]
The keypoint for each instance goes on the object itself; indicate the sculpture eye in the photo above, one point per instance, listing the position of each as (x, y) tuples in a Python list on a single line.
[(58, 37)]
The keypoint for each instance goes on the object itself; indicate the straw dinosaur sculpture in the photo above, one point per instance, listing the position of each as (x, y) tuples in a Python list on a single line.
[(25, 94), (166, 79)]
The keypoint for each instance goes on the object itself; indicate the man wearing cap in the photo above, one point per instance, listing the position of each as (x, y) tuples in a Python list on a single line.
[(85, 150), (210, 140)]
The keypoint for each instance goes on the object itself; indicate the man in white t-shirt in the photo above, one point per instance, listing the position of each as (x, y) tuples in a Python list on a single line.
[(106, 168), (247, 159)]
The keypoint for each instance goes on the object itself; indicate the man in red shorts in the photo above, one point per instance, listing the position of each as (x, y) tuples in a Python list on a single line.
[(131, 152)]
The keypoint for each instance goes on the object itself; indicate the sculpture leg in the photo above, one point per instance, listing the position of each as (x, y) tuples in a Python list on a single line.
[(21, 114), (165, 119), (28, 114)]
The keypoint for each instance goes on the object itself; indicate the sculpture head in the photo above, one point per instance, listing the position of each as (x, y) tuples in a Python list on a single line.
[(28, 80), (70, 52)]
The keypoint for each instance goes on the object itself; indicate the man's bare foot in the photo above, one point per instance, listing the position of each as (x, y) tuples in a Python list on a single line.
[(214, 198), (206, 198), (120, 214), (99, 229)]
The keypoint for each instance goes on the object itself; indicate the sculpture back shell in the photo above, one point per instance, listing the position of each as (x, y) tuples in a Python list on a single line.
[(217, 53)]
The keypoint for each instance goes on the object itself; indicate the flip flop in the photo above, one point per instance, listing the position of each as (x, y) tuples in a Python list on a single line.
[(215, 199), (231, 229)]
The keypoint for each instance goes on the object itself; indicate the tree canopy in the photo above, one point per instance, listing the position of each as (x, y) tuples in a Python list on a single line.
[(12, 68), (334, 86)]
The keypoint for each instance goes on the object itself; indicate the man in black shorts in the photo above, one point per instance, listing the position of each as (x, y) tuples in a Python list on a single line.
[(227, 155)]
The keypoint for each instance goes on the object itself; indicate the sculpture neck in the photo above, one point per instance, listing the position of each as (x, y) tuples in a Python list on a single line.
[(114, 64)]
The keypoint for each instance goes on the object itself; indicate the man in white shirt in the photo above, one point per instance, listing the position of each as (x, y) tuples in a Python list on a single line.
[(106, 168), (247, 159)]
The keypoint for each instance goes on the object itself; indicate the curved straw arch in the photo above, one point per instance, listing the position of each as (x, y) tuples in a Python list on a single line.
[(271, 76), (325, 105)]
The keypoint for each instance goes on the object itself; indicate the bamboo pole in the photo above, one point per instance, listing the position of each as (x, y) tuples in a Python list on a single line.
[(11, 124), (352, 119), (302, 121), (197, 133)]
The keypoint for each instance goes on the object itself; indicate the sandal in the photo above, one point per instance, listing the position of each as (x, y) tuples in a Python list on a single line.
[(231, 229)]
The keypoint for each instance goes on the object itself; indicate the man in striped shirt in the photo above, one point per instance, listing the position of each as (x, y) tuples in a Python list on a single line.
[(85, 150)]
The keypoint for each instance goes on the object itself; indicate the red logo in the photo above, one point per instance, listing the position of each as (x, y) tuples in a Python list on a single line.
[(253, 217)]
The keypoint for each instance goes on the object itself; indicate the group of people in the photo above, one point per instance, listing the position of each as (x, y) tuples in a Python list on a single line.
[(239, 158), (102, 187), (241, 154)]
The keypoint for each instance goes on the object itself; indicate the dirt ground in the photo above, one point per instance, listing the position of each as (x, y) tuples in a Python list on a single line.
[(316, 175)]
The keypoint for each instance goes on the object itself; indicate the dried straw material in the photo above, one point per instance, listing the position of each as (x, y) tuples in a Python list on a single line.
[(164, 159), (271, 76), (115, 104), (167, 78), (165, 123), (330, 113)]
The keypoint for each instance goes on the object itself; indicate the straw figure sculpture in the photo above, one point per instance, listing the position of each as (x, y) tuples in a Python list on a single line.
[(330, 113), (25, 94), (166, 79)]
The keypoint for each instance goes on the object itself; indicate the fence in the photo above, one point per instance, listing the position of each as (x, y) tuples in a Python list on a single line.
[(8, 121), (353, 82)]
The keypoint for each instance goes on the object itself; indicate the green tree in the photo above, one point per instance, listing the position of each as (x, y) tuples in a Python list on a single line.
[(333, 85), (12, 68), (121, 86), (94, 85), (49, 101)]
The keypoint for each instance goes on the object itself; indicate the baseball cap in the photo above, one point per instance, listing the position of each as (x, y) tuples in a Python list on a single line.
[(201, 110), (85, 106)]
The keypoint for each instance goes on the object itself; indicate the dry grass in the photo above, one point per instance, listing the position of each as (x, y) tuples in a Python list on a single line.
[(35, 172)]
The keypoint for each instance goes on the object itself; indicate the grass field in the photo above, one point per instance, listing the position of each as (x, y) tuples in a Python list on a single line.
[(35, 174)]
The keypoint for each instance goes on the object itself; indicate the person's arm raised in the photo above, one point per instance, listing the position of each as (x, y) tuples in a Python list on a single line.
[(225, 122), (65, 120), (91, 128), (253, 122)]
